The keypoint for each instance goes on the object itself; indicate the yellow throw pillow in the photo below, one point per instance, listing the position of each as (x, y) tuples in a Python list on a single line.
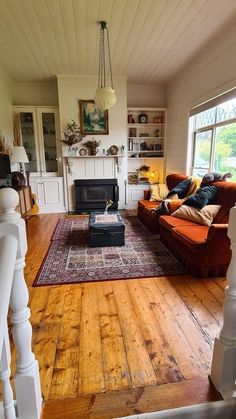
[(158, 192), (205, 216)]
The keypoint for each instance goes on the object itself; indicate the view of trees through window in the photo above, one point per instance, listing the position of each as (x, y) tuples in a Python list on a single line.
[(215, 140)]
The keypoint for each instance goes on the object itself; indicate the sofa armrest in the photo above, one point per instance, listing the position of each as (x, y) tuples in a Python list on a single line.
[(216, 230), (174, 204), (219, 244)]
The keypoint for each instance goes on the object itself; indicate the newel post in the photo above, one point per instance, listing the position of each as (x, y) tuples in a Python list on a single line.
[(223, 372), (27, 381)]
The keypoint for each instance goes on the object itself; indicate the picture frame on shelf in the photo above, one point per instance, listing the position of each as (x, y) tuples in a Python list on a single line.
[(93, 121), (132, 178), (158, 120), (133, 132)]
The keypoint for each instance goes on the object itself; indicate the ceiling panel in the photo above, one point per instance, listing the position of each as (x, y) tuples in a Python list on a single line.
[(151, 40)]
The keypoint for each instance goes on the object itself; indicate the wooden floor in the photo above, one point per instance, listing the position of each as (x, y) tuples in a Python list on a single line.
[(121, 347)]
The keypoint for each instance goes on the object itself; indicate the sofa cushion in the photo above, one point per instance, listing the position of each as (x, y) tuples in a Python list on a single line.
[(203, 196), (195, 237), (181, 189), (204, 216), (169, 222), (158, 192)]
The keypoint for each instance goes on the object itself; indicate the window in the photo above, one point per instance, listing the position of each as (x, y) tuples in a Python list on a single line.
[(214, 137)]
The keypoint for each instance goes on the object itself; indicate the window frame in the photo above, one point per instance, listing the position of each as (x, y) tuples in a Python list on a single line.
[(212, 127)]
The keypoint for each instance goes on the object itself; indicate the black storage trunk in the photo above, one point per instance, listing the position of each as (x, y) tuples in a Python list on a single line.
[(106, 234)]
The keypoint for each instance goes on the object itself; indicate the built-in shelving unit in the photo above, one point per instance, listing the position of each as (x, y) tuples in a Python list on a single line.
[(146, 135)]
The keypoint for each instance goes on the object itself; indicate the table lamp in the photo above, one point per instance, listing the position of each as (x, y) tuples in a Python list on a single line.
[(19, 156), (155, 173)]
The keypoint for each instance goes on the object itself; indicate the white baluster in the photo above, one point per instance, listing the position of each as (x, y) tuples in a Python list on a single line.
[(5, 372), (223, 372), (27, 381)]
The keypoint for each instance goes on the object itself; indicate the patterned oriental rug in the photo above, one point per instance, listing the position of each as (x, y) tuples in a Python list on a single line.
[(70, 259)]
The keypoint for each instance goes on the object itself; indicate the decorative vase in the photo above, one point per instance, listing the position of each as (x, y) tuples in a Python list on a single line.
[(93, 151)]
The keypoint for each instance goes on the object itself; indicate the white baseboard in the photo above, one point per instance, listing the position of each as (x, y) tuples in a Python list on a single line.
[(225, 409)]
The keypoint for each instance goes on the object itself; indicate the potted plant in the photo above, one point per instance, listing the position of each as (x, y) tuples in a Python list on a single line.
[(92, 146)]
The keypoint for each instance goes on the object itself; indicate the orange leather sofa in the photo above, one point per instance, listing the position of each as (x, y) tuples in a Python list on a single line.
[(145, 207), (205, 251)]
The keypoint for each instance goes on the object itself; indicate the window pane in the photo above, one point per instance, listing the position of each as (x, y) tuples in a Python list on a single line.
[(199, 172), (205, 118), (28, 140), (226, 110), (49, 137), (202, 150), (225, 150)]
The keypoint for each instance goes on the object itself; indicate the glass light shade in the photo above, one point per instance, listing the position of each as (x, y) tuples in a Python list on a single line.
[(105, 98), (19, 155)]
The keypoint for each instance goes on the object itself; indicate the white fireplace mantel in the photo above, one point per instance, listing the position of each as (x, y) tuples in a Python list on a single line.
[(72, 161), (94, 167)]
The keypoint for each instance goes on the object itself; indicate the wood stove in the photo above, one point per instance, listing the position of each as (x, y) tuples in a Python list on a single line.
[(92, 194)]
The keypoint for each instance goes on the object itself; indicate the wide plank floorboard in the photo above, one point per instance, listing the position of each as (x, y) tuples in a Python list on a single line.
[(108, 349)]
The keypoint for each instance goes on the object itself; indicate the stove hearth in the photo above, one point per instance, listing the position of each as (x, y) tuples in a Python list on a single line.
[(92, 194)]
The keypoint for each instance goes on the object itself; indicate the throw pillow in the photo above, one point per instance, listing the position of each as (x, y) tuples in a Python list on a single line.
[(181, 189), (158, 192), (203, 196), (204, 216)]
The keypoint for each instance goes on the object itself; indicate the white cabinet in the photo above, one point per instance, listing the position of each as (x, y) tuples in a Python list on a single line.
[(135, 193), (37, 129), (49, 193)]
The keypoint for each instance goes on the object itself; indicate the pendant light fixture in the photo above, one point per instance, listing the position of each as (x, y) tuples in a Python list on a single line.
[(105, 96)]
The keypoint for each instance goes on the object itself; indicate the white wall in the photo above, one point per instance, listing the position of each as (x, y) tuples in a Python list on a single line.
[(35, 93), (208, 75), (6, 94), (70, 90), (145, 96)]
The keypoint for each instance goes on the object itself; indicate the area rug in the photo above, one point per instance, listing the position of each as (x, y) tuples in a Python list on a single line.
[(70, 259)]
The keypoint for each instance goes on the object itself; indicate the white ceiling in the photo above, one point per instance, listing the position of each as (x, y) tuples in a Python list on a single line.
[(151, 40)]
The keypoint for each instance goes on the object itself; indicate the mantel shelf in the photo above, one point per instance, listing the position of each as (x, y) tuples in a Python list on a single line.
[(95, 157)]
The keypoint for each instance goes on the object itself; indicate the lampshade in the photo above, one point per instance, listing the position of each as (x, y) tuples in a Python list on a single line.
[(19, 155), (154, 173), (105, 96)]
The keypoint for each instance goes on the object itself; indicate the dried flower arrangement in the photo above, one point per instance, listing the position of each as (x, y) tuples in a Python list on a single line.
[(72, 134), (108, 204), (144, 168), (4, 147), (92, 145)]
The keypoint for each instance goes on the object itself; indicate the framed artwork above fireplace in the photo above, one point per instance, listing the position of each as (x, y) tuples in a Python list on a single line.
[(93, 121)]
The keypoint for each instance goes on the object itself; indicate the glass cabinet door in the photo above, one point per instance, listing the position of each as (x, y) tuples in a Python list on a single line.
[(39, 130), (27, 128), (49, 141)]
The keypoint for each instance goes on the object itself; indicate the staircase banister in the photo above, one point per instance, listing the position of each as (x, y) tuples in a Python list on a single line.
[(8, 251), (14, 292), (223, 370)]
